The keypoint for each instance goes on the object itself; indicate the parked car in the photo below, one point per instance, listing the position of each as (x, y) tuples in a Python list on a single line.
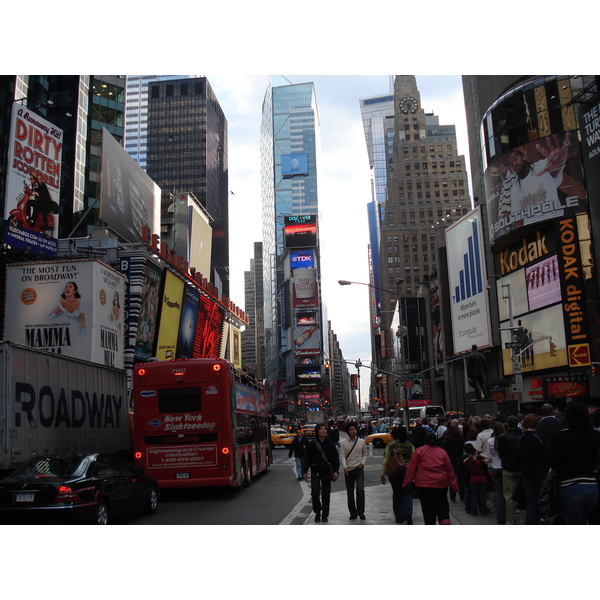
[(281, 437), (379, 440), (76, 488)]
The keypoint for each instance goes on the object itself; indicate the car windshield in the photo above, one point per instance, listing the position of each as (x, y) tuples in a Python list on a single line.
[(53, 466)]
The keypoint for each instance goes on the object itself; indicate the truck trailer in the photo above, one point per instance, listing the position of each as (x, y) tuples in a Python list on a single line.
[(50, 403)]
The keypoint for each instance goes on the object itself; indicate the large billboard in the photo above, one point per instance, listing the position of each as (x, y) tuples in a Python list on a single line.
[(129, 199), (32, 183), (546, 297), (467, 276), (73, 308), (540, 180), (294, 164)]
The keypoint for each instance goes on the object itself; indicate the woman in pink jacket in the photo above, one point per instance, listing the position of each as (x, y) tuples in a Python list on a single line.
[(431, 470)]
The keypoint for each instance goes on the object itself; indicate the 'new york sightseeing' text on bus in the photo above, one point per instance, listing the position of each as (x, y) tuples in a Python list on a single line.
[(198, 423)]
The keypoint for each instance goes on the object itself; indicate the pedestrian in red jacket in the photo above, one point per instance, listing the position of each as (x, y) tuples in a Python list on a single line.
[(431, 470)]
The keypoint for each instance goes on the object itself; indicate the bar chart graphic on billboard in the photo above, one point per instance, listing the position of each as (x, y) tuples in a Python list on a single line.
[(468, 283)]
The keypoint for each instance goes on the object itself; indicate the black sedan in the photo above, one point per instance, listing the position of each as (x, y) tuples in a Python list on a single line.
[(76, 488)]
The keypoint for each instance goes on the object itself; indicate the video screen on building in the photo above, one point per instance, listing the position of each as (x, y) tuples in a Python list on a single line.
[(302, 259), (543, 283), (300, 231)]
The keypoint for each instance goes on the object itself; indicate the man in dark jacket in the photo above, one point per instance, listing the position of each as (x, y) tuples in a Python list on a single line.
[(533, 451), (323, 460), (511, 466), (549, 424), (298, 448)]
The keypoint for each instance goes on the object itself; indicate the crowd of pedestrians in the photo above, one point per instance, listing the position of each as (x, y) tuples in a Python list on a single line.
[(512, 467)]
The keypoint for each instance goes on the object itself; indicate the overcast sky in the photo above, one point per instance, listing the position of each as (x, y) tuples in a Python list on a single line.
[(344, 185)]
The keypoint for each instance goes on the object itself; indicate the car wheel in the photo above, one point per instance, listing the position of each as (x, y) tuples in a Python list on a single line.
[(152, 503), (378, 443), (101, 513)]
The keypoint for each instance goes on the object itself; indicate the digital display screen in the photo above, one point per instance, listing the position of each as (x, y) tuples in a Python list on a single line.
[(543, 283)]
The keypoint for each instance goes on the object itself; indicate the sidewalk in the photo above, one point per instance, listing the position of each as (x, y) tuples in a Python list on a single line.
[(379, 509)]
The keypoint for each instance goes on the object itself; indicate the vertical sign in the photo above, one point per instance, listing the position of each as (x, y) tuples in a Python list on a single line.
[(468, 283), (170, 315)]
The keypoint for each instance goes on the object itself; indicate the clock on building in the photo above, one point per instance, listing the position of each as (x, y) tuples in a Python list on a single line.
[(408, 105)]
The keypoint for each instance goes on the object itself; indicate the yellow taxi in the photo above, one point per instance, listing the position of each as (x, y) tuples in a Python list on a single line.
[(379, 439), (281, 437)]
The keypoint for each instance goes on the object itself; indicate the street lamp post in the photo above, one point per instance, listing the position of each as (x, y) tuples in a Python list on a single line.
[(399, 281), (358, 365)]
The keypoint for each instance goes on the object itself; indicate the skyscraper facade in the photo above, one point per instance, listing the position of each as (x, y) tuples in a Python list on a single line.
[(136, 115), (187, 152), (427, 189), (427, 186), (289, 143), (378, 117)]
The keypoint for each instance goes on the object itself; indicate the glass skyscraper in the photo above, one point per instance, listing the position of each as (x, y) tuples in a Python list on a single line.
[(290, 127)]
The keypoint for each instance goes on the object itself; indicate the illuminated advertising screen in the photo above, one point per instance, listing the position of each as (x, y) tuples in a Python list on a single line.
[(543, 283), (209, 329), (306, 317), (302, 259), (535, 182), (294, 164), (300, 231), (32, 183), (308, 374), (72, 308), (169, 318), (187, 324)]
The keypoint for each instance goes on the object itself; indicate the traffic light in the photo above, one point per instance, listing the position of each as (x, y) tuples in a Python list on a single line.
[(593, 370), (552, 349)]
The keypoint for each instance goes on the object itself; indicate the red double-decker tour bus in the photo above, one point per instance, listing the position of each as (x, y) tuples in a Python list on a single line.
[(199, 422)]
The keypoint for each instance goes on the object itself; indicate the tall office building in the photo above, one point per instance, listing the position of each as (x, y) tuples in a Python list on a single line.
[(427, 190), (289, 143), (253, 350), (427, 186), (187, 153), (136, 115), (378, 117)]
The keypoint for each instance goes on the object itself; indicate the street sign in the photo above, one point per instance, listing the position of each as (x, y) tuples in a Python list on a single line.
[(512, 345)]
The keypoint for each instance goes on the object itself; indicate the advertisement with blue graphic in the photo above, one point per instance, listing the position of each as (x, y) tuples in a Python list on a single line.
[(469, 300)]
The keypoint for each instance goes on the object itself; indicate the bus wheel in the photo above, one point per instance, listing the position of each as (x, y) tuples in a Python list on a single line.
[(248, 473)]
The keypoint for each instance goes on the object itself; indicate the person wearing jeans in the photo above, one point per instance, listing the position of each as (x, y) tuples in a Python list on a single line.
[(298, 448), (353, 457), (323, 460), (575, 453)]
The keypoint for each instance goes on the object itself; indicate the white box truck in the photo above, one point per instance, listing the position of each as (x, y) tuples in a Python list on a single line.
[(50, 403)]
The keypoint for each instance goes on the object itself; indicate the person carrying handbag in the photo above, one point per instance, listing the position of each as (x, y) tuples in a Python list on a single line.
[(353, 457), (323, 461), (398, 454)]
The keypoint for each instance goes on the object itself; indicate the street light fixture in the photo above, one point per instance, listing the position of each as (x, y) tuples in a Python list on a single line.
[(399, 282)]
